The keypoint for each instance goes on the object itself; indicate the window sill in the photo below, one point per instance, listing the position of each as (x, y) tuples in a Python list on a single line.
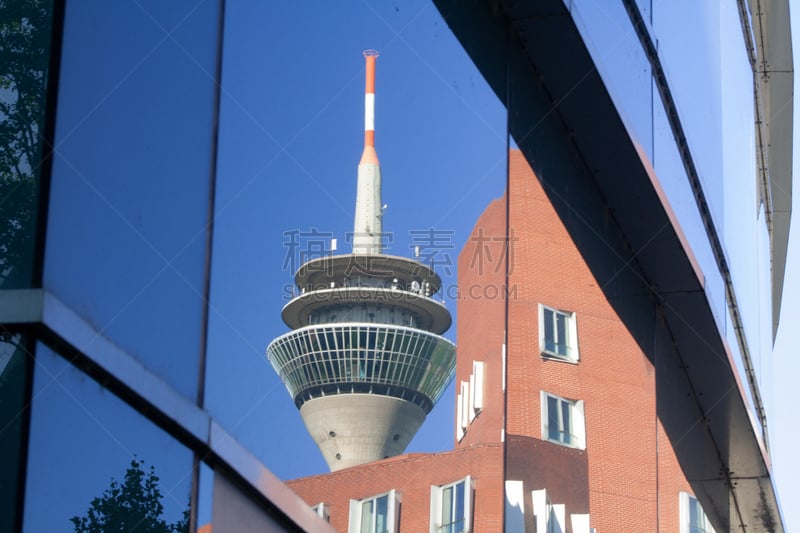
[(551, 356), (579, 446)]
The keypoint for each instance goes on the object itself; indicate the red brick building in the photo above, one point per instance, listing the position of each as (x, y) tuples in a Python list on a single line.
[(556, 432)]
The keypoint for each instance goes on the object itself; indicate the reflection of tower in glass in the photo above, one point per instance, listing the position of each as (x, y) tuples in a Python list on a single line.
[(365, 361)]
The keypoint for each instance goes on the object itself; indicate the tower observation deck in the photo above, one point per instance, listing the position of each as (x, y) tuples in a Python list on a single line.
[(365, 361)]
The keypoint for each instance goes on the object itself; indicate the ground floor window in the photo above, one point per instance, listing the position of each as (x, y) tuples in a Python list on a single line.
[(451, 507), (377, 514), (693, 518)]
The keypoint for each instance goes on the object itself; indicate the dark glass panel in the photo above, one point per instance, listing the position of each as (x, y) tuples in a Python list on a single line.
[(553, 428), (561, 336), (25, 34), (382, 514), (566, 422), (126, 240), (549, 334), (14, 371), (94, 461)]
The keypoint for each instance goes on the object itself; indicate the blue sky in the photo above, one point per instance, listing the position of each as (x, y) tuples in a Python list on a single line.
[(291, 166), (291, 137)]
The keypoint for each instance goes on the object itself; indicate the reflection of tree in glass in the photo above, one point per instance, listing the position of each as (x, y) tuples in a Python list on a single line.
[(13, 371), (130, 507), (25, 27)]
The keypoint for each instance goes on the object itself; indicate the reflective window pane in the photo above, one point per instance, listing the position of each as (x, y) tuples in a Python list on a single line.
[(14, 372), (94, 463), (26, 26), (689, 37), (126, 240), (617, 52)]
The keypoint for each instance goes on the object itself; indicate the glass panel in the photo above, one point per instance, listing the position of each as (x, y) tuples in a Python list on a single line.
[(382, 514), (26, 27), (675, 184), (553, 427), (291, 134), (566, 422), (126, 239), (617, 52), (14, 372), (549, 334), (561, 334), (94, 463), (745, 233), (205, 499), (688, 35), (447, 506), (459, 515), (366, 516)]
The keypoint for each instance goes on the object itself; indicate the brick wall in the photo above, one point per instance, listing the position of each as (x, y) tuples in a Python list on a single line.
[(413, 475), (481, 319)]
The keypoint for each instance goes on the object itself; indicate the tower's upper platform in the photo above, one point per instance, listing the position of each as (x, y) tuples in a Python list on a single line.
[(350, 268), (370, 288)]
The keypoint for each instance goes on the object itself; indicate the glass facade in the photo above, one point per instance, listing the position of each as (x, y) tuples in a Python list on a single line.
[(162, 191), (134, 149), (707, 79), (108, 173)]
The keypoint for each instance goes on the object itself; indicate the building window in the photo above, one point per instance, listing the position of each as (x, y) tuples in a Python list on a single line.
[(563, 421), (693, 518), (451, 507), (558, 336), (375, 515), (470, 400)]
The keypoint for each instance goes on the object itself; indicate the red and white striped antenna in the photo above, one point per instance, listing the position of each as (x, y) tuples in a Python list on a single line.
[(368, 226), (369, 105)]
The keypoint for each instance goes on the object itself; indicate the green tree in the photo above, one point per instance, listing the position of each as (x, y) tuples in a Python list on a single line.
[(130, 507), (25, 28)]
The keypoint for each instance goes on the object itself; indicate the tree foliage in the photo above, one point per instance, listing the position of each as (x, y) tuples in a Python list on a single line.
[(25, 31), (132, 506)]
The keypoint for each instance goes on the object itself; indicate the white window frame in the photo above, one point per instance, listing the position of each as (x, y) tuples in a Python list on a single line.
[(322, 510), (392, 512), (436, 507), (577, 431), (470, 399), (548, 517), (572, 354), (686, 503)]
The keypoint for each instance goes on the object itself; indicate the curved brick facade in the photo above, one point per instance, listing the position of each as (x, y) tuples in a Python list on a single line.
[(626, 476)]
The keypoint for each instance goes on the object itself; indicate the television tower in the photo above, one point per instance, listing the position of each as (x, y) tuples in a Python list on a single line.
[(365, 361)]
